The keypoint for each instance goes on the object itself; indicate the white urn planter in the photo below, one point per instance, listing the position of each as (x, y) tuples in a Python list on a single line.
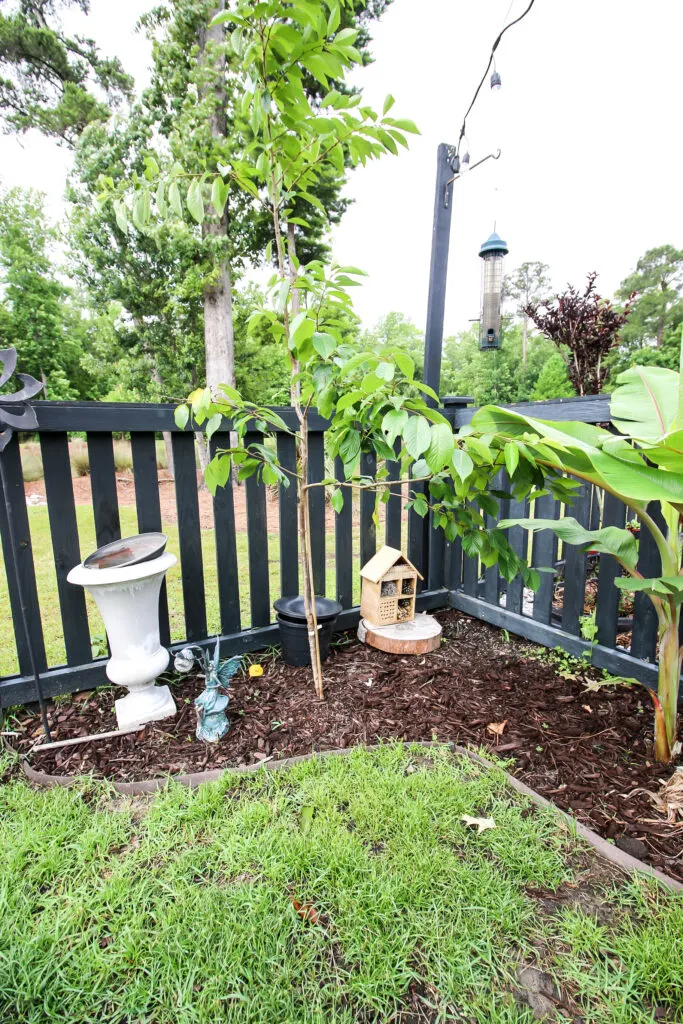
[(128, 599)]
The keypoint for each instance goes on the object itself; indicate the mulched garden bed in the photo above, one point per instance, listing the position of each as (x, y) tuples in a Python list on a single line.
[(589, 752)]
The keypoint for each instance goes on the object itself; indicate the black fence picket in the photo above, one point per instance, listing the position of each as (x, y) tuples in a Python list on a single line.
[(61, 509), (257, 536), (343, 542)]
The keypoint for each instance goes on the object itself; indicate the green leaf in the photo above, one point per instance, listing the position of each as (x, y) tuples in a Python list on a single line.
[(280, 301), (385, 371), (337, 499), (141, 209), (476, 445), (645, 404), (406, 126), (371, 383), (174, 199), (462, 463), (511, 453), (181, 416), (388, 104), (440, 451), (349, 449), (121, 214), (610, 540), (219, 195), (420, 505), (417, 436), (663, 586), (324, 344), (349, 399), (213, 424), (393, 423), (405, 364), (195, 202)]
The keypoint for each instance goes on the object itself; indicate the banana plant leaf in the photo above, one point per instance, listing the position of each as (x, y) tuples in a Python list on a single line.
[(664, 586), (588, 452), (610, 540), (645, 404)]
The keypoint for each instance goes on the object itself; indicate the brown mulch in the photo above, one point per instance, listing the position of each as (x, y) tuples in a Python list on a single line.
[(590, 753)]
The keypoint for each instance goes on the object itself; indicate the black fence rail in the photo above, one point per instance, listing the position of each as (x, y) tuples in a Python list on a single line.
[(100, 422), (625, 645)]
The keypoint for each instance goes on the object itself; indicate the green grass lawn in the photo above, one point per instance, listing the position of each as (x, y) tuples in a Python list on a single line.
[(47, 583), (342, 890)]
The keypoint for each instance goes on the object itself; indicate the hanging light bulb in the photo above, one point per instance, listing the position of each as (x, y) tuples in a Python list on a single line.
[(465, 163), (495, 81)]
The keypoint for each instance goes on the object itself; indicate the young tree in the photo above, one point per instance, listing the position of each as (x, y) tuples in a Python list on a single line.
[(587, 325), (49, 80), (371, 398), (524, 285)]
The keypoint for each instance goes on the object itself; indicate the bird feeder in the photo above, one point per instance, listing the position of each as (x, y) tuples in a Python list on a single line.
[(389, 588), (492, 252)]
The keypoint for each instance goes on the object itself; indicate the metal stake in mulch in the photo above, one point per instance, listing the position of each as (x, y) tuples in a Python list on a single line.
[(21, 416)]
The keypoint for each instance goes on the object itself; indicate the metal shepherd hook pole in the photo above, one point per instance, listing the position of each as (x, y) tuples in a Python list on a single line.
[(21, 416)]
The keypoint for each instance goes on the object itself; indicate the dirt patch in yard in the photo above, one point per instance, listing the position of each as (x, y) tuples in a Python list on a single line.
[(588, 752)]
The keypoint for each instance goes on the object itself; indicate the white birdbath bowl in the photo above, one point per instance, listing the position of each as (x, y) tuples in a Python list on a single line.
[(128, 600)]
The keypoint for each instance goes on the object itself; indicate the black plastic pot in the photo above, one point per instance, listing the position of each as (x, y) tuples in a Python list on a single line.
[(294, 628)]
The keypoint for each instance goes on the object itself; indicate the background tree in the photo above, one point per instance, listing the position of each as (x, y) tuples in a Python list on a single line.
[(49, 80), (657, 282), (40, 316), (494, 376), (553, 381), (524, 285), (585, 324), (397, 331), (191, 104)]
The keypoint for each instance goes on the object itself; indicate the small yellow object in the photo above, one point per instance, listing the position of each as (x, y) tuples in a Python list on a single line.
[(255, 670)]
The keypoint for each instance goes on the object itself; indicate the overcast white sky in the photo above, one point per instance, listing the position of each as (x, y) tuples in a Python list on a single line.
[(588, 120)]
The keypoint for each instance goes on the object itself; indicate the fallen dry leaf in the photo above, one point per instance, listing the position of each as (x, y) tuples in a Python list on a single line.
[(669, 799), (482, 823), (306, 911), (497, 728)]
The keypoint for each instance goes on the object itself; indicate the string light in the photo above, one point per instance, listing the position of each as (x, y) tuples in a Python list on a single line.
[(495, 77)]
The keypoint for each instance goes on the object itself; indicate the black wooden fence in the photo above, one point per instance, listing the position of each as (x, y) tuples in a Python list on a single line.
[(142, 423), (450, 578)]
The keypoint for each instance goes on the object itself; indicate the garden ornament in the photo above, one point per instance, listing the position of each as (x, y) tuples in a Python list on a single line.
[(17, 414), (211, 704)]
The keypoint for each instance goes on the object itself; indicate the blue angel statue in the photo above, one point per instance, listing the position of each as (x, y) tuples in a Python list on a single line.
[(211, 704)]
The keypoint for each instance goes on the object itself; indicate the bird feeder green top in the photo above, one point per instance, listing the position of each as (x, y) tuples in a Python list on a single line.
[(494, 246)]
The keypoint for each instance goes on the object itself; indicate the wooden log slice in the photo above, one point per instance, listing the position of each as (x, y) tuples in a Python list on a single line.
[(419, 636)]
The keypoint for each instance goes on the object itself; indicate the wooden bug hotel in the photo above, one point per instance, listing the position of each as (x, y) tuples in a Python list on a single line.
[(389, 587)]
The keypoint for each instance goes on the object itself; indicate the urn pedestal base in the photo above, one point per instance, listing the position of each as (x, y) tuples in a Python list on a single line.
[(148, 704)]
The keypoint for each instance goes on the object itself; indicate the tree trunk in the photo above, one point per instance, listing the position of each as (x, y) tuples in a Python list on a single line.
[(219, 336), (525, 331), (307, 564)]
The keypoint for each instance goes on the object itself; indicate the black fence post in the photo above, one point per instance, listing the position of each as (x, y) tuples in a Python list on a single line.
[(438, 270)]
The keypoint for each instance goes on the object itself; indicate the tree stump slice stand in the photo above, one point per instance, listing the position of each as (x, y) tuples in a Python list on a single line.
[(420, 635)]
